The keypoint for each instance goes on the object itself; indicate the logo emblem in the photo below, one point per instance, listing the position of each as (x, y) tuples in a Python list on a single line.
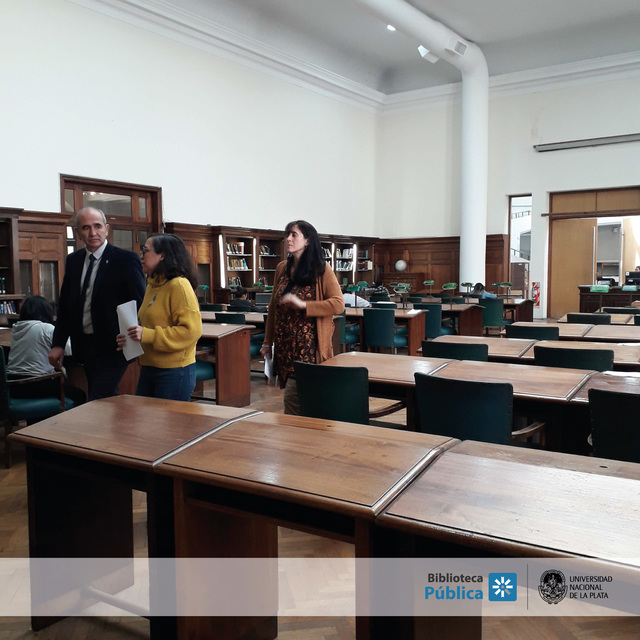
[(503, 587), (552, 587)]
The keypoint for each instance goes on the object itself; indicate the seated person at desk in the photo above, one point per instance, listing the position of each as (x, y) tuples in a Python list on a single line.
[(240, 303), (480, 292), (353, 300), (31, 340)]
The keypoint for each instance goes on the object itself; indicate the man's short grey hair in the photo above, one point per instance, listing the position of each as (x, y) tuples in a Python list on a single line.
[(84, 210)]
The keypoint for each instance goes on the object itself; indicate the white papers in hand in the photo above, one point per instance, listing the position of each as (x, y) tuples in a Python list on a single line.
[(269, 369), (128, 317)]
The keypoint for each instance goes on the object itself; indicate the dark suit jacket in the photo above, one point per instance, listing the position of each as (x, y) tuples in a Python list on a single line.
[(119, 279)]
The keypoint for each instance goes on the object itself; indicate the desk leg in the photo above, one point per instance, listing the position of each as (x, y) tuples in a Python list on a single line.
[(75, 514), (205, 531), (415, 330), (233, 369)]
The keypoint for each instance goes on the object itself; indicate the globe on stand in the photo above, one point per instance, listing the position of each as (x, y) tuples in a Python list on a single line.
[(401, 265)]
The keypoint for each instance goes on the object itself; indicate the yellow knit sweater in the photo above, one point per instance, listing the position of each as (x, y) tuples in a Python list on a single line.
[(171, 323)]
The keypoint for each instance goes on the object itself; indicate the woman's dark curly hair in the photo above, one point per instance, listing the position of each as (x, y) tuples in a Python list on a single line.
[(37, 308), (176, 259), (311, 263)]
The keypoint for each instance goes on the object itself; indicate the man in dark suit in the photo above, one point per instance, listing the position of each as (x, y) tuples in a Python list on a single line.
[(96, 280)]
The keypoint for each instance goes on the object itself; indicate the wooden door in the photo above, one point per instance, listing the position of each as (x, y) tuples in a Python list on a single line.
[(571, 263)]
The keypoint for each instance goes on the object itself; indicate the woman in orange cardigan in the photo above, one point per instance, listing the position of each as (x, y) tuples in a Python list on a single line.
[(306, 296)]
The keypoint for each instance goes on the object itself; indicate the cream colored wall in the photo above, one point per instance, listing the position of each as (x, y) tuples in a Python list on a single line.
[(85, 94)]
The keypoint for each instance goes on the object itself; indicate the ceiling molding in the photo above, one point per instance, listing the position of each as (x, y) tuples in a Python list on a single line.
[(167, 20)]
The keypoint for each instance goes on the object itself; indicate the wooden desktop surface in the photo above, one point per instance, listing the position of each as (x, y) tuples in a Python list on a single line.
[(348, 468), (387, 368), (129, 430), (614, 333), (624, 355), (251, 317), (568, 331), (529, 381), (512, 507), (507, 348), (620, 381)]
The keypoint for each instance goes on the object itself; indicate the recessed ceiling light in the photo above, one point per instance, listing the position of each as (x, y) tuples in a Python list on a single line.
[(391, 27)]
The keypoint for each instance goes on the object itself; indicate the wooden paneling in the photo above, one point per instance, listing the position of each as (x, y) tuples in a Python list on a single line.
[(618, 199), (43, 238), (574, 201), (439, 258)]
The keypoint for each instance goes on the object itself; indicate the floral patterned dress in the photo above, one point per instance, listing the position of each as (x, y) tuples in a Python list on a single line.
[(295, 335)]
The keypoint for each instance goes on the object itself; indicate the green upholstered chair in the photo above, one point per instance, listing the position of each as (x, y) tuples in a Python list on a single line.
[(379, 296), (336, 393), (483, 410), (415, 297), (455, 350), (433, 324), (535, 332), (205, 370), (614, 425), (636, 320), (231, 318), (349, 334), (589, 318), (568, 358), (493, 313), (14, 411), (380, 331), (212, 307)]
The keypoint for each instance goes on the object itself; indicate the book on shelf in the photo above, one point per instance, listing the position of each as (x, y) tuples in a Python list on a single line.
[(365, 265), (235, 248), (7, 307)]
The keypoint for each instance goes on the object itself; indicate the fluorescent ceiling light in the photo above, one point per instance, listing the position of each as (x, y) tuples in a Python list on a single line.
[(587, 142), (427, 55), (391, 27)]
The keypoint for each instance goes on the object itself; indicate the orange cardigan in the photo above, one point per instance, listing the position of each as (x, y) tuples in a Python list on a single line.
[(329, 302)]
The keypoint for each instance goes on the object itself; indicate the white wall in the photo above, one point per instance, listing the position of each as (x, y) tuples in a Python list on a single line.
[(88, 95), (85, 94)]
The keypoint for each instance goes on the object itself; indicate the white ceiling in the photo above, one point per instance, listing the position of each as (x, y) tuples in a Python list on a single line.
[(342, 37)]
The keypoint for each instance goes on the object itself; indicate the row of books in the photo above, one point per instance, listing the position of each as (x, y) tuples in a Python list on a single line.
[(235, 281), (237, 264), (365, 265), (7, 307), (235, 247), (266, 250), (344, 253), (344, 265)]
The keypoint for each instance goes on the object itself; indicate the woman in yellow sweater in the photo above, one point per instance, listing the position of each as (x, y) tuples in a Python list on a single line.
[(170, 321)]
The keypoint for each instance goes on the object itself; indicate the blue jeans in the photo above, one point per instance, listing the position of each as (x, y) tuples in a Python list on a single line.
[(170, 384)]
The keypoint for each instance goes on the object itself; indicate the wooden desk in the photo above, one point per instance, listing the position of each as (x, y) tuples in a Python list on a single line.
[(478, 499), (82, 466), (623, 382), (568, 331), (625, 356), (413, 319), (500, 349), (546, 384), (613, 333), (233, 361), (330, 478), (522, 308), (468, 318), (251, 317), (540, 391), (128, 383)]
